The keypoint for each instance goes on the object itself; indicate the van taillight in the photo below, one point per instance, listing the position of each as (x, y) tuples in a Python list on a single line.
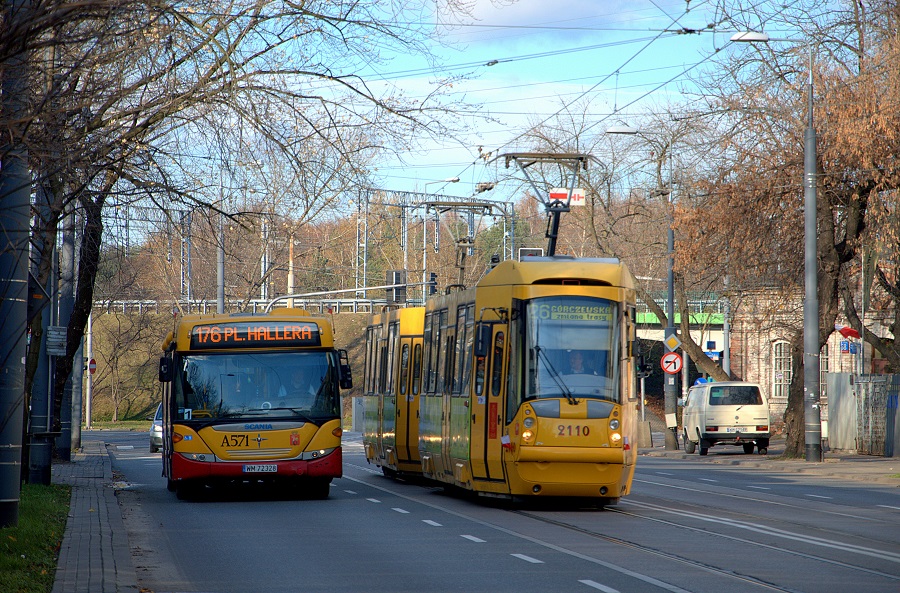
[(762, 428), (712, 429)]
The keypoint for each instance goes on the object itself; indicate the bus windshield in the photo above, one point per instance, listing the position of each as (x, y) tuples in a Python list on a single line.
[(571, 348), (251, 384)]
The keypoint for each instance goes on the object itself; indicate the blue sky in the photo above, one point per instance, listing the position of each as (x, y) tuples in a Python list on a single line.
[(619, 58)]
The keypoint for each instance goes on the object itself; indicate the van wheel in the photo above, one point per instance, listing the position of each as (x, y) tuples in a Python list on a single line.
[(704, 447), (689, 445), (763, 450), (748, 448)]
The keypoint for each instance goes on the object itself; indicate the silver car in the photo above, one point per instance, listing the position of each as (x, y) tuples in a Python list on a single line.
[(156, 431)]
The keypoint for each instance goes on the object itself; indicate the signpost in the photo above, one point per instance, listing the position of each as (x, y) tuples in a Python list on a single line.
[(671, 363)]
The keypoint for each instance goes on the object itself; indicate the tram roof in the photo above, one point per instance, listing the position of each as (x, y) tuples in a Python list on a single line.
[(546, 269)]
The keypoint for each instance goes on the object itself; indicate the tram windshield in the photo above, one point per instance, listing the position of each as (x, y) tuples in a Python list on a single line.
[(571, 348), (256, 384)]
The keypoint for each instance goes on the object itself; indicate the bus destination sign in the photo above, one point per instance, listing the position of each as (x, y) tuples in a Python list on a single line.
[(248, 334)]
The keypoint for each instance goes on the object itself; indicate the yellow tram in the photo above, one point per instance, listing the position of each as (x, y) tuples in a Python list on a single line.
[(393, 383), (528, 382)]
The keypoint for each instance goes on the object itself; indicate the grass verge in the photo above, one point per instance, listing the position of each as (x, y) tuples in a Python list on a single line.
[(29, 551)]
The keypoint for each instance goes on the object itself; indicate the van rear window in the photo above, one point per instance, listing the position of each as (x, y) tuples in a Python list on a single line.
[(735, 395)]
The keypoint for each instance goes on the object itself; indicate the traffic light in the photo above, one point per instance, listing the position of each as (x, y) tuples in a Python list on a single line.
[(432, 283)]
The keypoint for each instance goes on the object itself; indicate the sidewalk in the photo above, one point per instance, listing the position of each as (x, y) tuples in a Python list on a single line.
[(94, 556)]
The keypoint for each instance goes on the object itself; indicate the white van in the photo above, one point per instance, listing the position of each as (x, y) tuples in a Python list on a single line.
[(726, 413)]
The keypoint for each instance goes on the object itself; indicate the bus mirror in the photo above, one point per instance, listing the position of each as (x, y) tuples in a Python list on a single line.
[(483, 340), (345, 375), (165, 369)]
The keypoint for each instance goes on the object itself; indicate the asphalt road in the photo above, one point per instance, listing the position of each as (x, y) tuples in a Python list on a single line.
[(687, 526)]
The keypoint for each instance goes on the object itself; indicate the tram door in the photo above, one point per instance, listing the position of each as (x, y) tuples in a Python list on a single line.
[(407, 433), (487, 401), (446, 359), (388, 391)]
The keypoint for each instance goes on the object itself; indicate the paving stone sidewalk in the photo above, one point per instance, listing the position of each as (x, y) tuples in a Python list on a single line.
[(94, 556)]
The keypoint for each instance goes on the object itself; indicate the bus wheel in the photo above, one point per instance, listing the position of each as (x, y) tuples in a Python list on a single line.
[(318, 489), (170, 485), (187, 490)]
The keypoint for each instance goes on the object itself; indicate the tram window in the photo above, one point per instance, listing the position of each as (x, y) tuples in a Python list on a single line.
[(429, 348), (417, 369), (439, 357), (391, 340), (460, 346), (497, 364), (467, 348), (479, 375), (404, 368)]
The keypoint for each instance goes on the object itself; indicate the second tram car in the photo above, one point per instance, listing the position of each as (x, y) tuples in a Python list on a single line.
[(527, 384)]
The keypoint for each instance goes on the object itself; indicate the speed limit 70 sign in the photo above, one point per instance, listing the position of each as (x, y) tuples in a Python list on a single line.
[(671, 363)]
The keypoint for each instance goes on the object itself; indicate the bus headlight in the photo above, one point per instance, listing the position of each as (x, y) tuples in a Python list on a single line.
[(614, 424), (528, 422), (615, 438), (527, 435)]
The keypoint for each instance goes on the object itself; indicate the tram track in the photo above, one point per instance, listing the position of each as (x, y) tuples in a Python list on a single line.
[(711, 533)]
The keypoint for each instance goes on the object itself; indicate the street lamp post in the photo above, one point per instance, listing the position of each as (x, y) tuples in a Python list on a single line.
[(670, 390), (811, 388)]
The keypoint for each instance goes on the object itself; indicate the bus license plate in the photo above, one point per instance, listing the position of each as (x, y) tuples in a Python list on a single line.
[(264, 468)]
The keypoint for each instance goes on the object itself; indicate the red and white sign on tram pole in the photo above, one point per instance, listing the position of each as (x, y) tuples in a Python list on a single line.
[(671, 363), (561, 193), (92, 366)]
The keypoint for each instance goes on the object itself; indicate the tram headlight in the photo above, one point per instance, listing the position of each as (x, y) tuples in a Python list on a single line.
[(614, 424), (528, 422)]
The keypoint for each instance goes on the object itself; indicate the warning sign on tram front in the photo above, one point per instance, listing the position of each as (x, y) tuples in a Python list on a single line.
[(671, 363)]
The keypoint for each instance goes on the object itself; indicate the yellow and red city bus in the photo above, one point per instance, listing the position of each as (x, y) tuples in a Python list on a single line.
[(393, 383), (504, 410), (252, 398)]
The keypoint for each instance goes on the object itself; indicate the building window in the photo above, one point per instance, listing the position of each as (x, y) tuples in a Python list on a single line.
[(782, 364)]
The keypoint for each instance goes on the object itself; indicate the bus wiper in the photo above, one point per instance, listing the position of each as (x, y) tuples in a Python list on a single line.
[(297, 412), (555, 376)]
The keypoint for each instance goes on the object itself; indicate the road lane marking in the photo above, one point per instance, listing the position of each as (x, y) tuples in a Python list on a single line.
[(472, 538), (593, 560), (350, 491), (527, 558), (662, 474), (759, 487), (433, 523), (598, 586), (887, 506), (819, 496), (373, 500), (399, 510), (707, 480)]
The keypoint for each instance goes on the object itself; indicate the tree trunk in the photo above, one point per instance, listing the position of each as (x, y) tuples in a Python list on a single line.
[(794, 424), (88, 261)]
